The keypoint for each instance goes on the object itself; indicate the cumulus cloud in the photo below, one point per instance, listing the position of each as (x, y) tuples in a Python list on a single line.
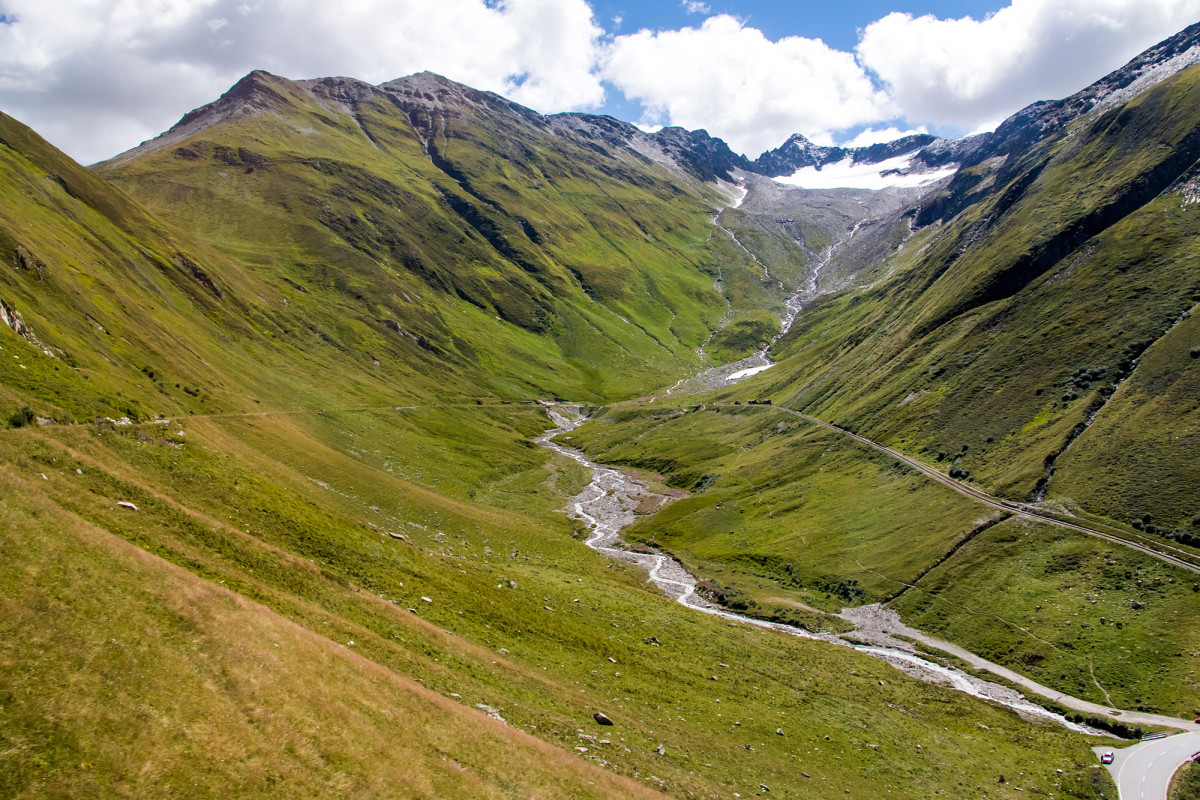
[(740, 85), (968, 73), (96, 76)]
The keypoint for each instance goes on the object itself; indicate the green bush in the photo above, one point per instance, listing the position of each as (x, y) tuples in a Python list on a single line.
[(21, 418)]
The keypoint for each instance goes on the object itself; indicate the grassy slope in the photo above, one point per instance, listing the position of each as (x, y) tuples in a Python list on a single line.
[(1102, 622), (289, 505), (603, 257), (280, 509), (1186, 784), (129, 677), (780, 509), (951, 356), (1004, 379), (1142, 454)]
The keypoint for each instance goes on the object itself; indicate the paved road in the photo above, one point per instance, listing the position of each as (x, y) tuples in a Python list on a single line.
[(987, 499), (1143, 772)]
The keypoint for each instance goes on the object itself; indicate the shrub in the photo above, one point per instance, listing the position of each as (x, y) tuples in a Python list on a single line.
[(21, 418)]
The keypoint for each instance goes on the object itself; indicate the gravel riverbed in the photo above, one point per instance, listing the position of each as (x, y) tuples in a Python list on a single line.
[(608, 504)]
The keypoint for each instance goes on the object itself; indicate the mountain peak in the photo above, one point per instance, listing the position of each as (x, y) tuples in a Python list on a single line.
[(258, 90)]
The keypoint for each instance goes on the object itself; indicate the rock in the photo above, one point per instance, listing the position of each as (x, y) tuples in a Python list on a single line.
[(494, 713), (602, 718), (456, 695), (128, 505), (660, 750), (426, 600), (779, 731), (548, 608), (613, 660)]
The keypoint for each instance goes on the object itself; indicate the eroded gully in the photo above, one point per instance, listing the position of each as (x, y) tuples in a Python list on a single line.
[(607, 505)]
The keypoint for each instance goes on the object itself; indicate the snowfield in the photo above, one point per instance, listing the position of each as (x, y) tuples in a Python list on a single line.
[(845, 174), (746, 373)]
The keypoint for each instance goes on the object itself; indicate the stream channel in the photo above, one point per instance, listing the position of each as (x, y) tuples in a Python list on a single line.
[(607, 505)]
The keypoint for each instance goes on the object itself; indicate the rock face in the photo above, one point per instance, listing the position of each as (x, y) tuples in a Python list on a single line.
[(995, 153), (798, 152)]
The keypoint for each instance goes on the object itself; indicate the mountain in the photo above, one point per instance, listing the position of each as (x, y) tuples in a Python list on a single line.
[(798, 152), (241, 557), (1029, 329), (273, 522), (436, 213), (996, 159)]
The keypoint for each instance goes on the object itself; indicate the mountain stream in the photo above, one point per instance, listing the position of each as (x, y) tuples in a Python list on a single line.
[(608, 504)]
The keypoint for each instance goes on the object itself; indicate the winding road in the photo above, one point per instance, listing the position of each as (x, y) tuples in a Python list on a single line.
[(1144, 771), (987, 499), (608, 504)]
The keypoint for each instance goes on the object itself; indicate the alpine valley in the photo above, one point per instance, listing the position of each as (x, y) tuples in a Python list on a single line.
[(274, 522)]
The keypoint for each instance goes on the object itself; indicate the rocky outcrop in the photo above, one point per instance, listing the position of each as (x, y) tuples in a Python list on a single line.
[(798, 152), (12, 318), (1046, 119)]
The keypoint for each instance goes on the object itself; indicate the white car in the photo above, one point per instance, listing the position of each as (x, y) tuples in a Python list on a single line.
[(1107, 758)]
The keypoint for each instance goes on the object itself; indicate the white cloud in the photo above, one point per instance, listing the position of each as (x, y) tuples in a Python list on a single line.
[(741, 86), (96, 76), (967, 73)]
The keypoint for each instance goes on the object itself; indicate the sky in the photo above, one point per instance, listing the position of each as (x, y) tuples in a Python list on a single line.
[(97, 77)]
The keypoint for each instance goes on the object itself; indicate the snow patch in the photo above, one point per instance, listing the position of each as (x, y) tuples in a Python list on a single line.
[(735, 193), (845, 174), (746, 373)]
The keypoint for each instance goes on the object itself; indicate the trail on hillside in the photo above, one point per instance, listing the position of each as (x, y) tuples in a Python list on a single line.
[(609, 503)]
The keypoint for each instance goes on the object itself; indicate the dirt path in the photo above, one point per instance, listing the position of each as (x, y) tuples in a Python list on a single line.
[(995, 502), (882, 625)]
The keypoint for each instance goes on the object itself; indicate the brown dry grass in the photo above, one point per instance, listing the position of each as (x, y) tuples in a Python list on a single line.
[(153, 682)]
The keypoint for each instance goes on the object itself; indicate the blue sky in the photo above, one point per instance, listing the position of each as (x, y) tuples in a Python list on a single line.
[(99, 76), (838, 24)]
